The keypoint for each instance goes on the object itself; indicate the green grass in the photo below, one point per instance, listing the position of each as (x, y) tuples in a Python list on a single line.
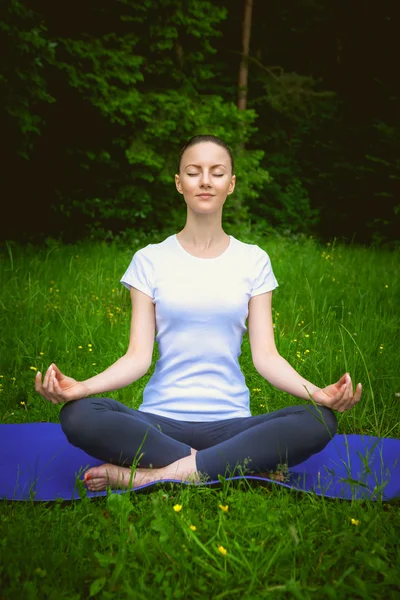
[(336, 310)]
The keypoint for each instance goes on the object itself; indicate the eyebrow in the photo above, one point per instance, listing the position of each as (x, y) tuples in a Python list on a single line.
[(199, 167)]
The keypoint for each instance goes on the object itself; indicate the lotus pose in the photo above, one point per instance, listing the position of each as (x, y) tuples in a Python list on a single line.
[(195, 290)]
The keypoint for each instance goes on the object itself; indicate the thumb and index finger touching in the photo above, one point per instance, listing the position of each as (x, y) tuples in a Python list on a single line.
[(56, 370)]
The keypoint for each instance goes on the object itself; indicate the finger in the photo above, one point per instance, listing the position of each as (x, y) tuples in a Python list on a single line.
[(355, 397), (51, 382), (58, 390), (38, 381), (341, 400), (39, 386), (50, 389), (348, 394), (357, 394), (57, 372), (46, 378)]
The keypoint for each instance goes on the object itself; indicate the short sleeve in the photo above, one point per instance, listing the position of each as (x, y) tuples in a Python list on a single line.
[(264, 280), (139, 274)]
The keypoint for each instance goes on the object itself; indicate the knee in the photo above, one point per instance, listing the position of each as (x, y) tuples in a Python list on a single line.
[(72, 418), (330, 420), (327, 421)]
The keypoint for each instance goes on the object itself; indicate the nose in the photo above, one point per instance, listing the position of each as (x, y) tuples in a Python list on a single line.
[(205, 179)]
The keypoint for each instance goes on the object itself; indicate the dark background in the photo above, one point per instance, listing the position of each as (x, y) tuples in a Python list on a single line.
[(77, 160)]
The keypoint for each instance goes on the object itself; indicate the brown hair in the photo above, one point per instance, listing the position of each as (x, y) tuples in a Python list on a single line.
[(197, 139)]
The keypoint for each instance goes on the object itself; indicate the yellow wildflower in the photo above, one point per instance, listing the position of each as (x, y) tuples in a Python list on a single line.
[(80, 347), (177, 507), (41, 353), (33, 368), (354, 522), (386, 286), (224, 508), (222, 550), (193, 527), (89, 345), (22, 403)]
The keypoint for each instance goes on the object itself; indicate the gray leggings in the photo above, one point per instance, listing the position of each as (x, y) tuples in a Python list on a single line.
[(114, 433)]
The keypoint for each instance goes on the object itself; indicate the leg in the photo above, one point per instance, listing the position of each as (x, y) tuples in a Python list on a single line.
[(260, 443), (111, 431)]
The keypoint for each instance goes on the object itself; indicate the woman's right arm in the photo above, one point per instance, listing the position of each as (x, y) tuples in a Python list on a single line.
[(58, 388), (123, 372)]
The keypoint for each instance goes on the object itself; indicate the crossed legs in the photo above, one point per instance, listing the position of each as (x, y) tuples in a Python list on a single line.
[(165, 448)]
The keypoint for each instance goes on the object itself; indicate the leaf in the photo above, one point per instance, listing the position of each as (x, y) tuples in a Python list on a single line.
[(97, 586)]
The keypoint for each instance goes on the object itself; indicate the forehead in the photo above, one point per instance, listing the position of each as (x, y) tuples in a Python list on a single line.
[(205, 153)]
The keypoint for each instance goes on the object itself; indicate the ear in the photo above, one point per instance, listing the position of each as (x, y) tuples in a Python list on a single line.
[(232, 184), (178, 184)]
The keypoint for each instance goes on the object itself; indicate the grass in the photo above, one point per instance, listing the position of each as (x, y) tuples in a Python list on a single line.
[(336, 310)]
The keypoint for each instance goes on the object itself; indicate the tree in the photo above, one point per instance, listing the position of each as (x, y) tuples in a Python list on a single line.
[(244, 63)]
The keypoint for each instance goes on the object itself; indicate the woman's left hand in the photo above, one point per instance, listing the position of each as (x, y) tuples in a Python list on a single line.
[(339, 396)]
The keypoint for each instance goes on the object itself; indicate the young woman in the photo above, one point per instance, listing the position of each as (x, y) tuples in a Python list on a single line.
[(196, 289)]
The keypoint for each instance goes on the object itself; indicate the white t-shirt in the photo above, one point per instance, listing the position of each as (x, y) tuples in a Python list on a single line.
[(201, 307)]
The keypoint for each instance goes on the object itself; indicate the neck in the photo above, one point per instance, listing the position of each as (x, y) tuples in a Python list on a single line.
[(202, 240)]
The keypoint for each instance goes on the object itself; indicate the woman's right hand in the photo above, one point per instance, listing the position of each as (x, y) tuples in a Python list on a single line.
[(58, 388)]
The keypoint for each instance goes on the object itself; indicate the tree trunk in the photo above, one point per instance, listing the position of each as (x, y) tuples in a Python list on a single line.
[(244, 65)]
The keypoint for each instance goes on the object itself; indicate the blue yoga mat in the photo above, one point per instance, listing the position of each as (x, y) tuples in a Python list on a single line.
[(38, 463)]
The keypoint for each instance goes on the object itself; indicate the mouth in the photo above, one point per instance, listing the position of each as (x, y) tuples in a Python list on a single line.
[(205, 195)]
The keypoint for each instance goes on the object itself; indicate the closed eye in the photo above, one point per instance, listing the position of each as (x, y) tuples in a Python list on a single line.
[(194, 174)]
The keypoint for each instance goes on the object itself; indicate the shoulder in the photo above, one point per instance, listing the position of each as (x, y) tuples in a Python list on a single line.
[(253, 253)]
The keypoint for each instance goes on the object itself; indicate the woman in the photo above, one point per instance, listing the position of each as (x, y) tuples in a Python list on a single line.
[(196, 288)]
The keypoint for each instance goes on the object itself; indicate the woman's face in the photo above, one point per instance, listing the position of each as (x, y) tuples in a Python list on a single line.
[(205, 177)]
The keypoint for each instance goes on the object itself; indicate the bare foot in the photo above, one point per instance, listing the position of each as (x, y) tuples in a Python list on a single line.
[(117, 477), (98, 478)]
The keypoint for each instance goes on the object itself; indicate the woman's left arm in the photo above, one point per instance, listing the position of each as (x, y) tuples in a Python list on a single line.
[(337, 396)]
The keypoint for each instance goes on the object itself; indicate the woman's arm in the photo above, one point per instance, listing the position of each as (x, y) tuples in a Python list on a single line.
[(58, 388), (123, 372), (279, 373)]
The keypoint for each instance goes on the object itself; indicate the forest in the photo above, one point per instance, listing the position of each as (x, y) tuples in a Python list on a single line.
[(97, 99)]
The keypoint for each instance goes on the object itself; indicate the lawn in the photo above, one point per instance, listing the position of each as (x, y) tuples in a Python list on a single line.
[(336, 310)]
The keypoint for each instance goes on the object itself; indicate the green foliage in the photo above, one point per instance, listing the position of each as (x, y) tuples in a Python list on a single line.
[(101, 104), (149, 125)]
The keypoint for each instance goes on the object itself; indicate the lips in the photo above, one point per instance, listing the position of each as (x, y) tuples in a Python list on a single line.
[(205, 195)]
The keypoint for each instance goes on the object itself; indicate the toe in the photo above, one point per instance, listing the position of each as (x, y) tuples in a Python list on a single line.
[(90, 473)]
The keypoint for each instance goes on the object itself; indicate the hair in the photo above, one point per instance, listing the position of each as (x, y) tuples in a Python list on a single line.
[(197, 139)]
